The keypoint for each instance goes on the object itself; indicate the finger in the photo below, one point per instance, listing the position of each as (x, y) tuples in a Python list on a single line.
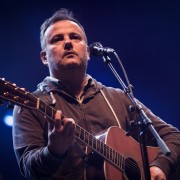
[(57, 119), (69, 125)]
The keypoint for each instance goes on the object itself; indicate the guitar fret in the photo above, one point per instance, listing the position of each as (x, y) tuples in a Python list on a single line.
[(93, 142), (98, 145), (84, 135), (81, 134), (110, 154), (78, 129), (123, 162), (117, 159), (107, 152), (42, 106), (120, 161), (101, 148), (113, 156), (87, 137), (47, 110)]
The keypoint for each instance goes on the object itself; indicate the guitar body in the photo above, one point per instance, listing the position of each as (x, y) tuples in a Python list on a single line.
[(126, 145), (116, 138)]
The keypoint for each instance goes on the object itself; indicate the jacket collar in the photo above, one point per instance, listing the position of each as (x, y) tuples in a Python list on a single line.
[(50, 84)]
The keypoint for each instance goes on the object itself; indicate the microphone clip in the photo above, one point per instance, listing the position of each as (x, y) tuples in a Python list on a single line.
[(96, 49)]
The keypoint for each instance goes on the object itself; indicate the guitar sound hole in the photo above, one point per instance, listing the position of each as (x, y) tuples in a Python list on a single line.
[(132, 170)]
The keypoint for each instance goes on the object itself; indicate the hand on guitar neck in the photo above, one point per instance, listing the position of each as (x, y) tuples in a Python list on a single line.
[(61, 134)]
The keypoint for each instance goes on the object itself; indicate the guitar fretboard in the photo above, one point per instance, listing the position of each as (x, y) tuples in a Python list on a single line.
[(84, 136)]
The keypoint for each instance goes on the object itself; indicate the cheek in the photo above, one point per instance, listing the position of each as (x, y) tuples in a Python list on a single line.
[(87, 55), (54, 54), (84, 52)]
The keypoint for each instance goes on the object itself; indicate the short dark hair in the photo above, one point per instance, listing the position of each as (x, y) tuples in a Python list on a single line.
[(61, 14)]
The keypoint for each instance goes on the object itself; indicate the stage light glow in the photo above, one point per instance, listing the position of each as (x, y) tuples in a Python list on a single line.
[(8, 119)]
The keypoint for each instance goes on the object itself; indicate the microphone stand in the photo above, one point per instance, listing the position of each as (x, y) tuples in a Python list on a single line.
[(143, 121)]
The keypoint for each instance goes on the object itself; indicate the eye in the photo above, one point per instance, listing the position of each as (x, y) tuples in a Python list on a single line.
[(75, 36), (56, 39)]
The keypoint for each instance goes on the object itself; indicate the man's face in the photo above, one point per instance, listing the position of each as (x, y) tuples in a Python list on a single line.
[(65, 46)]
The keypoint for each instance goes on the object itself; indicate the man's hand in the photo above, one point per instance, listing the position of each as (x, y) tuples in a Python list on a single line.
[(61, 134), (157, 173)]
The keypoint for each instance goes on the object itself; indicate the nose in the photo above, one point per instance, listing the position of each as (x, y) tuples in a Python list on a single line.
[(68, 45)]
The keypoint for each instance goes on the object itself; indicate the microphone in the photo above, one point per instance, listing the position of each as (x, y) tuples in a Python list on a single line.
[(96, 49)]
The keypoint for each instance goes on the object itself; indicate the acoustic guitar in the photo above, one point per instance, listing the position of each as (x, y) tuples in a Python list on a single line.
[(122, 157)]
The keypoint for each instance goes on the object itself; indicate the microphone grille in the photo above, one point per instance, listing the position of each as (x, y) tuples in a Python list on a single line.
[(94, 49)]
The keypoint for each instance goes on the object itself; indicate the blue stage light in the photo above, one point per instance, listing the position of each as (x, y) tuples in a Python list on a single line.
[(8, 119)]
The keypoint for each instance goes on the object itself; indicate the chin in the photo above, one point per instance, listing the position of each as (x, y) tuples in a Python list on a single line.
[(72, 65)]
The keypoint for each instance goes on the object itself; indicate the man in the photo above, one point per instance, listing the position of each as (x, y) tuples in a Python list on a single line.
[(47, 149)]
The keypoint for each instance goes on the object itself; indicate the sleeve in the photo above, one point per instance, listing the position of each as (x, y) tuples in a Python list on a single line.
[(30, 133), (171, 136)]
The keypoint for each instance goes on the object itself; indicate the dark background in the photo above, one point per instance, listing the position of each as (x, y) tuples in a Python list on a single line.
[(145, 35)]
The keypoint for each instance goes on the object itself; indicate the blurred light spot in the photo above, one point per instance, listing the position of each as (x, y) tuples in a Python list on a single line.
[(8, 119)]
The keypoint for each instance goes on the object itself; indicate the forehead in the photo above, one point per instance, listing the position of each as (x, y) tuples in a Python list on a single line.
[(63, 26)]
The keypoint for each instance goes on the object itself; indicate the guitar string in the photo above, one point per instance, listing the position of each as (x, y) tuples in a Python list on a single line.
[(50, 111), (132, 165)]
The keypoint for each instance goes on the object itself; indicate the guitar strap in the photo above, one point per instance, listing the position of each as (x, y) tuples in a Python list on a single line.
[(44, 96), (111, 108)]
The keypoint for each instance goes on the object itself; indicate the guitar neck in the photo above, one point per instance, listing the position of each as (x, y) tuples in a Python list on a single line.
[(87, 138), (11, 93)]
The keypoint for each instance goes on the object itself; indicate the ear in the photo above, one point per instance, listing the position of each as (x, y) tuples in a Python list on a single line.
[(43, 57)]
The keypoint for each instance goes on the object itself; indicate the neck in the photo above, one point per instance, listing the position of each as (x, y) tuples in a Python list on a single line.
[(74, 82)]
